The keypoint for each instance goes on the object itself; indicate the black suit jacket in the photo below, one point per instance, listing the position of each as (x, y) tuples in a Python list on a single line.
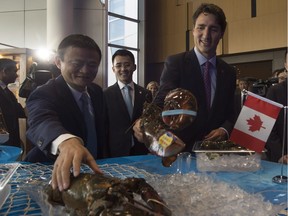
[(120, 141), (184, 71), (11, 111), (274, 144), (52, 111), (237, 104)]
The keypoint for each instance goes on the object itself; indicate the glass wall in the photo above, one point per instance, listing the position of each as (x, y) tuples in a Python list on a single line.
[(122, 32)]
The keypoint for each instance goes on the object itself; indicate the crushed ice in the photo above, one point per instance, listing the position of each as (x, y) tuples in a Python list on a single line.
[(199, 194)]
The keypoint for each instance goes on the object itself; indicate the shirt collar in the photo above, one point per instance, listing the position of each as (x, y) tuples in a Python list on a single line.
[(2, 84), (122, 85), (76, 94), (202, 60)]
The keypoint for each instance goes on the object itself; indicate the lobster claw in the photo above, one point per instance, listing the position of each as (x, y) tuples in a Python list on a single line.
[(180, 109)]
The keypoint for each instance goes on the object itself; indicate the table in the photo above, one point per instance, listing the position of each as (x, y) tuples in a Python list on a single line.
[(143, 166)]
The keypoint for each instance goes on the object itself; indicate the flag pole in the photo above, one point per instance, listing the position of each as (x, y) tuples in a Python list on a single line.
[(280, 179)]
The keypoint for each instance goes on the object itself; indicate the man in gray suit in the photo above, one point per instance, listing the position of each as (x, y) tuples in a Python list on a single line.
[(124, 109)]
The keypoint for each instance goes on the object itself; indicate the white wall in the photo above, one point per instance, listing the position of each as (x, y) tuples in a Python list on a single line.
[(23, 24)]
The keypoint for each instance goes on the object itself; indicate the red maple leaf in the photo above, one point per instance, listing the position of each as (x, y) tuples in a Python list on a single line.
[(255, 123)]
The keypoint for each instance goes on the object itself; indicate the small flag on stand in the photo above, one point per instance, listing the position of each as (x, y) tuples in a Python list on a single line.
[(255, 122)]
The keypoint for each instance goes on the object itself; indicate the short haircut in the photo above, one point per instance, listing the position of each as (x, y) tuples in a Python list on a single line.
[(123, 52), (211, 9), (5, 62), (243, 79), (77, 40)]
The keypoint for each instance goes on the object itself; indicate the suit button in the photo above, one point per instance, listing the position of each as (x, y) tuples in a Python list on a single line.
[(40, 143)]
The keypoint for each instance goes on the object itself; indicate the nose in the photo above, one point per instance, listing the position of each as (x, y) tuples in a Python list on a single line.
[(84, 68), (206, 32)]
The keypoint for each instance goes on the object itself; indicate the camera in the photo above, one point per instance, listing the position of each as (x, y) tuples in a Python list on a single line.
[(260, 87), (38, 75)]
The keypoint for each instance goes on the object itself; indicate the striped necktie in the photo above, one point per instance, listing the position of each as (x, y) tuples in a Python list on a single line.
[(207, 83)]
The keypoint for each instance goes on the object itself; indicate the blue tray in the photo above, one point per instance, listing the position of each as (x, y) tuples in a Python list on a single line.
[(9, 153)]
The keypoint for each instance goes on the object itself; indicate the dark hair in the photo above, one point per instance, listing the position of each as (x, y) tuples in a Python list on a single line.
[(123, 52), (244, 79), (5, 62), (77, 40), (211, 9)]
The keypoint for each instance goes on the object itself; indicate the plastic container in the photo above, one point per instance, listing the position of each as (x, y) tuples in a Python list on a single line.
[(220, 157)]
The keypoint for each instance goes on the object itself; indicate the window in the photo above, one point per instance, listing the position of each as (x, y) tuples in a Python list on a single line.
[(123, 32)]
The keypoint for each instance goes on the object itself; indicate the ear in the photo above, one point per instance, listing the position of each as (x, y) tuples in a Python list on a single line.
[(113, 69), (134, 67), (57, 61)]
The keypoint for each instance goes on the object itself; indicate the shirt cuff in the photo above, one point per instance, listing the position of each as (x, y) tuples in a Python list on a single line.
[(59, 140), (227, 134)]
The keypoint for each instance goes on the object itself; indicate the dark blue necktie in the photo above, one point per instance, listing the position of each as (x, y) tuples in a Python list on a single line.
[(87, 109), (128, 99)]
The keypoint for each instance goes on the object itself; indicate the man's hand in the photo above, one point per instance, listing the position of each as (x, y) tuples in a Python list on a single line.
[(284, 159), (218, 134), (137, 131), (71, 154)]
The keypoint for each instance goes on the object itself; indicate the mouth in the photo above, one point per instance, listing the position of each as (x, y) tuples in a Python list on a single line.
[(85, 78), (205, 42)]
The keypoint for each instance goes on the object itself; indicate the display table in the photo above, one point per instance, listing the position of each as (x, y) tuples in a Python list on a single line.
[(19, 203)]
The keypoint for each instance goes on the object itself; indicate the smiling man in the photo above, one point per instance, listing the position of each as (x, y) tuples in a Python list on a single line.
[(125, 100), (211, 80), (66, 115)]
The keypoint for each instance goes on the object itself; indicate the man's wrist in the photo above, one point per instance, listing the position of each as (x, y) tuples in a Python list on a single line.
[(60, 139)]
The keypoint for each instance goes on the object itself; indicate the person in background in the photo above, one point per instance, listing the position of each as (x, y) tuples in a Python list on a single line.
[(120, 114), (9, 106), (240, 96), (153, 87), (193, 70), (282, 75), (67, 114), (274, 144)]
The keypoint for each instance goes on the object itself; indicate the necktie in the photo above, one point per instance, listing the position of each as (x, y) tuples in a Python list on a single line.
[(128, 99), (207, 83), (89, 118)]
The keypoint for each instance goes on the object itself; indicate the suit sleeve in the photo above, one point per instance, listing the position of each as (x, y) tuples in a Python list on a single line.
[(274, 142), (170, 78), (43, 121)]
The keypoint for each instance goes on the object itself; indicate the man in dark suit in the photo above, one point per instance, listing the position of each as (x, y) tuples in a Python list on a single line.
[(240, 96), (57, 112), (274, 144), (9, 106), (186, 70), (121, 139)]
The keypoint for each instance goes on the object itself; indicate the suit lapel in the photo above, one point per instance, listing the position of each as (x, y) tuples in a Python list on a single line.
[(67, 98), (195, 79), (137, 99)]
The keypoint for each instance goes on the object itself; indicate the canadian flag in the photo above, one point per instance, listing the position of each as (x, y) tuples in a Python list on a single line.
[(255, 122)]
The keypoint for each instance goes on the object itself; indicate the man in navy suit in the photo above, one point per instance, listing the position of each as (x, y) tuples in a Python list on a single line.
[(186, 70), (56, 112), (121, 140)]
